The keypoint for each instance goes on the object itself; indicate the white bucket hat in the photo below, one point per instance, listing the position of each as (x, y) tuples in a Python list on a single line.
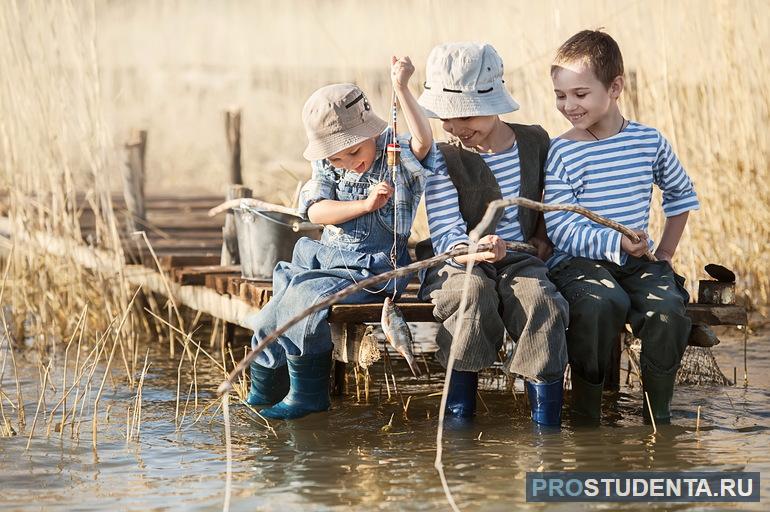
[(337, 117), (465, 80)]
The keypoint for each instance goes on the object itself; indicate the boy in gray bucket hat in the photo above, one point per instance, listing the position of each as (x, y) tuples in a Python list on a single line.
[(368, 213), (488, 159)]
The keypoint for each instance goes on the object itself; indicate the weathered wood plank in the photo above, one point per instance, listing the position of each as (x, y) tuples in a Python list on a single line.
[(423, 312), (717, 314), (170, 261), (187, 276)]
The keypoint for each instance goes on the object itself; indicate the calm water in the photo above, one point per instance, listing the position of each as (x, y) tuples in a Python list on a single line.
[(344, 458)]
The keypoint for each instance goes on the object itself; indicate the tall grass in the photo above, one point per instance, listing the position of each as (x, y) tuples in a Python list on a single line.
[(77, 76), (700, 67), (77, 327)]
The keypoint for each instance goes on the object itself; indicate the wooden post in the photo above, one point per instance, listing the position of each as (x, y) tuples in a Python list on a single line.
[(230, 254), (133, 180), (338, 378), (233, 134)]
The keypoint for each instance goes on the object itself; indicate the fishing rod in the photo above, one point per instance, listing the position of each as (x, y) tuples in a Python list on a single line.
[(489, 218)]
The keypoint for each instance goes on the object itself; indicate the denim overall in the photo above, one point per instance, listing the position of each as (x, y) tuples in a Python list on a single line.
[(347, 253)]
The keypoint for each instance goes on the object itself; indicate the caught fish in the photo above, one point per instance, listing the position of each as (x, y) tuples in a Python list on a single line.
[(398, 334)]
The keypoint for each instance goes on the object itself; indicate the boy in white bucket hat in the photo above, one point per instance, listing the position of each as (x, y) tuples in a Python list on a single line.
[(368, 215), (488, 159)]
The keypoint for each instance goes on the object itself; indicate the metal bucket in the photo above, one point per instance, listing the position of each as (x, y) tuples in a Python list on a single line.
[(265, 238)]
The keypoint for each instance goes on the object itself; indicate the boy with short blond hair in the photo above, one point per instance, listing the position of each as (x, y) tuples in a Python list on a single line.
[(608, 164)]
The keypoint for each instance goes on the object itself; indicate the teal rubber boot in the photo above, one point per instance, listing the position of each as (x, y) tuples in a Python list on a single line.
[(309, 377), (660, 389), (268, 385), (586, 404)]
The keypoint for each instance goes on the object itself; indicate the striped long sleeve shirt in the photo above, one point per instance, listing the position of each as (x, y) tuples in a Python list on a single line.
[(446, 224), (612, 177)]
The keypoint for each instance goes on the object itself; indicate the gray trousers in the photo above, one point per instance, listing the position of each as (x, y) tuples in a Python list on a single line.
[(511, 295)]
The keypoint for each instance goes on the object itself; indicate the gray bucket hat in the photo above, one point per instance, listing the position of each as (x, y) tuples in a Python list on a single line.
[(337, 117), (465, 80)]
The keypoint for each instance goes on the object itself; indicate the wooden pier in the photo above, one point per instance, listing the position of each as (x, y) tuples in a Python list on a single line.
[(173, 248)]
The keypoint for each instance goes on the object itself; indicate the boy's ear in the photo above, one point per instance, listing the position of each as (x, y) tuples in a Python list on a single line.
[(616, 87)]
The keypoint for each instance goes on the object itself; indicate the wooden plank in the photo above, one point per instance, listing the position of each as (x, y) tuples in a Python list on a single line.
[(170, 261), (229, 309), (717, 314), (423, 312), (187, 276), (360, 313), (218, 282)]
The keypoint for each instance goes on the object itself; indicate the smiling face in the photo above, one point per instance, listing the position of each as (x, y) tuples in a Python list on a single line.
[(472, 131), (581, 97), (358, 158)]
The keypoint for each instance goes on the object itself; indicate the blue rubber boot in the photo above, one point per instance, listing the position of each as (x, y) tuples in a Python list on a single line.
[(268, 385), (545, 400), (309, 377), (461, 399)]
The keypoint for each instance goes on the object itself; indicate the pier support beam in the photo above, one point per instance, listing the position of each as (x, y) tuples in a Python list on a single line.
[(133, 180)]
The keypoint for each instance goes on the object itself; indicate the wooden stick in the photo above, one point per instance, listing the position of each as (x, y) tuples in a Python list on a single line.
[(252, 203), (494, 206), (697, 421)]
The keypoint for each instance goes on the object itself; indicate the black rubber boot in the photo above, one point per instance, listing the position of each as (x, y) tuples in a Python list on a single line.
[(660, 389), (586, 404), (309, 377), (268, 385)]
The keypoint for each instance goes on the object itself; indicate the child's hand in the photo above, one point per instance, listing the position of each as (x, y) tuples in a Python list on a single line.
[(636, 249), (544, 247), (498, 250), (400, 71), (378, 196)]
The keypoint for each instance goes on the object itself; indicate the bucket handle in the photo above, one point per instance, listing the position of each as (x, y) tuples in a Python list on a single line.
[(295, 226)]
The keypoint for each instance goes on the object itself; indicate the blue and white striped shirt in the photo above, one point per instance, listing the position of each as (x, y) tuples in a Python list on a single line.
[(446, 224), (612, 177)]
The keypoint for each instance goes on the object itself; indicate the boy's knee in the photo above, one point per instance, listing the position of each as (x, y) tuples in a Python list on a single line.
[(668, 308), (482, 295), (615, 304)]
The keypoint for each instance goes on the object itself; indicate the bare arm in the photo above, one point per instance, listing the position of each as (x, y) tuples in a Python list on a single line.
[(330, 211), (422, 136), (672, 233)]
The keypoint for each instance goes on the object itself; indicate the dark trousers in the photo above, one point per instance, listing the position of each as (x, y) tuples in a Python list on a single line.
[(604, 296)]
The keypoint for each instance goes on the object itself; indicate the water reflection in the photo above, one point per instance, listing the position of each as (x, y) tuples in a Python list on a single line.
[(345, 459)]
